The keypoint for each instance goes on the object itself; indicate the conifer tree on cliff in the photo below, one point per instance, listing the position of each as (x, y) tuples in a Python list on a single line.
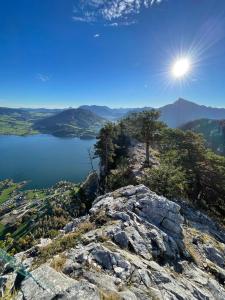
[(146, 128), (105, 150)]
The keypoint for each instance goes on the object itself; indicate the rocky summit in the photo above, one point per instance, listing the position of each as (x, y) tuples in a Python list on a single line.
[(133, 245)]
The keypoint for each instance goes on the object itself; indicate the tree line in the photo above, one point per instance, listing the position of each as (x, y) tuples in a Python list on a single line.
[(187, 168)]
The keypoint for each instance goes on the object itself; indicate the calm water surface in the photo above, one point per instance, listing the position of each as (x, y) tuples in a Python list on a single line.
[(44, 159)]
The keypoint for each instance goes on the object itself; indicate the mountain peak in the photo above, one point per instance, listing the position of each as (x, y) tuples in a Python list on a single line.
[(183, 101), (71, 122)]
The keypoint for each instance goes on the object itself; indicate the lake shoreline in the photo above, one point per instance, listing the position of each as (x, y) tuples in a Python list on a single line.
[(47, 134)]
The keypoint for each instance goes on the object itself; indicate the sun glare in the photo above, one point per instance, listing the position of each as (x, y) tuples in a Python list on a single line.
[(181, 67)]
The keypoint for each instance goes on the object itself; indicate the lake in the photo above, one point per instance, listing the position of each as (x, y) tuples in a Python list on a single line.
[(44, 160)]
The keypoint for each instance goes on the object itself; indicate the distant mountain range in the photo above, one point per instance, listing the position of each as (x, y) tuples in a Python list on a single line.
[(71, 122), (14, 112), (174, 115), (87, 119), (183, 111), (27, 113), (112, 114), (212, 130), (106, 112)]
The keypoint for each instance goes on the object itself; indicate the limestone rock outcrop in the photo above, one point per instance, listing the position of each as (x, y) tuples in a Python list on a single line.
[(138, 246)]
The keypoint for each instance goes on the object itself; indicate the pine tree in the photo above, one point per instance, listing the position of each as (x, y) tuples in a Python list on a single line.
[(105, 150), (146, 128)]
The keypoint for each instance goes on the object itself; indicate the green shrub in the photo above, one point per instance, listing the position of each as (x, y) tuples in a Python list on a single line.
[(166, 180)]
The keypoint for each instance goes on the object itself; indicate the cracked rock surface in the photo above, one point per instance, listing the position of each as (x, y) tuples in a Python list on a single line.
[(138, 246)]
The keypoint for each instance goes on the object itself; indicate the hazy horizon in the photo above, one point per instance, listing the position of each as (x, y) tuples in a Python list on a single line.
[(112, 107)]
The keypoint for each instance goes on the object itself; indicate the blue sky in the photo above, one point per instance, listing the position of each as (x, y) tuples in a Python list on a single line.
[(57, 53)]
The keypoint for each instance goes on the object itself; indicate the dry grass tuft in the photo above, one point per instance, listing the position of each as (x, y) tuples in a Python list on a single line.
[(109, 295), (58, 262)]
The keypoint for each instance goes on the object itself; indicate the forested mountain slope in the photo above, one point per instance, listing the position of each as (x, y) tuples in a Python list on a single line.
[(70, 122), (213, 132)]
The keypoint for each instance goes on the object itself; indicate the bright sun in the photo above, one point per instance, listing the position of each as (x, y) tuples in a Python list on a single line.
[(181, 67)]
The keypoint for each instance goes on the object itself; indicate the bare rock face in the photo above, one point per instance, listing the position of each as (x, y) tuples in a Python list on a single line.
[(45, 282), (139, 246), (90, 185), (146, 205), (153, 224)]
